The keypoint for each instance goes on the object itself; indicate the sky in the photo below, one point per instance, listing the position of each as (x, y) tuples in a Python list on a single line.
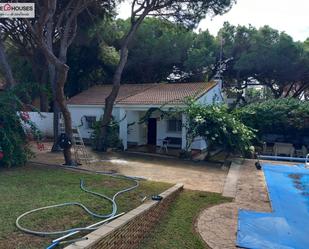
[(291, 16)]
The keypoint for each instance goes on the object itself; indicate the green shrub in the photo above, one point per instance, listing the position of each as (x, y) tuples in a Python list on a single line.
[(279, 116), (112, 139), (218, 127), (13, 138)]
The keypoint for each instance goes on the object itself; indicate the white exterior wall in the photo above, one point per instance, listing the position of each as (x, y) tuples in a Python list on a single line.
[(44, 122), (143, 130), (133, 129), (78, 113), (199, 144), (137, 133), (123, 127), (213, 96), (162, 132)]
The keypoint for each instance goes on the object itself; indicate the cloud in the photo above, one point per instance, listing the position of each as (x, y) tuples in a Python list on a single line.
[(290, 16)]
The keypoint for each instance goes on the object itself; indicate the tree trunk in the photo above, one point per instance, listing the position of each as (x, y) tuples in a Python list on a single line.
[(44, 105), (7, 71), (110, 100), (56, 109), (60, 98), (43, 32), (42, 79), (40, 72)]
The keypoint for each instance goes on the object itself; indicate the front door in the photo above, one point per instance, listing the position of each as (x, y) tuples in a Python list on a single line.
[(152, 131)]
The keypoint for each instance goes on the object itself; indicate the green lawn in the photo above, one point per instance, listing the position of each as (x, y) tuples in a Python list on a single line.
[(25, 188), (176, 230)]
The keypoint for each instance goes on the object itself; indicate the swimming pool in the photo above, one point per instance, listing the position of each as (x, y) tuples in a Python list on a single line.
[(287, 226)]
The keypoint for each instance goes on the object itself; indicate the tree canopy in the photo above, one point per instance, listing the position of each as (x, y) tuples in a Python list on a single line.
[(251, 56), (267, 57)]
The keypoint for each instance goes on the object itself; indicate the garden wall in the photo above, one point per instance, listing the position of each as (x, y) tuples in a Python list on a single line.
[(44, 122), (127, 231)]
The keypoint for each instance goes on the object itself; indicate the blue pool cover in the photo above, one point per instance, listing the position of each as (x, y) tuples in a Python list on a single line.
[(287, 226)]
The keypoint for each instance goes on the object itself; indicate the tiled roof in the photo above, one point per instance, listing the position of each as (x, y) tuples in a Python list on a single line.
[(96, 95), (143, 94)]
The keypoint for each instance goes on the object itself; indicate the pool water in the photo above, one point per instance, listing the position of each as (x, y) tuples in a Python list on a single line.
[(287, 226)]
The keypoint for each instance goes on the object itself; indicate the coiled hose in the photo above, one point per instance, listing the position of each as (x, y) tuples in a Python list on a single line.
[(87, 210)]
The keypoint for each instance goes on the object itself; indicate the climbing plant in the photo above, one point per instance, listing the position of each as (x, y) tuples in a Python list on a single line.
[(218, 127), (213, 123), (112, 140)]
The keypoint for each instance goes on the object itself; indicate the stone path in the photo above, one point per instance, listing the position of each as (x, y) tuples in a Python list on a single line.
[(230, 186), (218, 225)]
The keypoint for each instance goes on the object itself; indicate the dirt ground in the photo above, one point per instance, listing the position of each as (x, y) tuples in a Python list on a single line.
[(202, 176)]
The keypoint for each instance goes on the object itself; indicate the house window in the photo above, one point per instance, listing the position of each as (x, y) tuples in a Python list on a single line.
[(90, 121), (174, 125)]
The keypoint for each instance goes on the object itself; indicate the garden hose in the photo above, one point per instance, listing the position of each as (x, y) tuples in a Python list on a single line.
[(87, 210)]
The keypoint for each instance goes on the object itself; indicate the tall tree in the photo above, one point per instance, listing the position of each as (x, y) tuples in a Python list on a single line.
[(157, 47), (266, 57), (6, 68), (60, 19), (16, 31), (202, 56), (52, 32), (189, 13)]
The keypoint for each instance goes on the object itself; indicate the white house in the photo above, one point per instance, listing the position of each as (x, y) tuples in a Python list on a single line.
[(133, 101)]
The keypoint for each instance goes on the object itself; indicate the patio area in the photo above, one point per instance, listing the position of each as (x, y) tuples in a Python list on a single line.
[(218, 225), (202, 175), (161, 151)]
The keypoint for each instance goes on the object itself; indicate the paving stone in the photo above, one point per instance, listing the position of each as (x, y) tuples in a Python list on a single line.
[(218, 225)]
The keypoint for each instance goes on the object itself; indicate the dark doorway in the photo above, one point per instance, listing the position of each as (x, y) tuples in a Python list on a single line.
[(152, 131)]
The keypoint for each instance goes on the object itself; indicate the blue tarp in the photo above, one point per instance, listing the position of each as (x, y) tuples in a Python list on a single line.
[(287, 226)]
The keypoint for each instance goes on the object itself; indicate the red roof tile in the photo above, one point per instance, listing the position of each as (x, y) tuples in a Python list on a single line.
[(96, 95), (143, 94)]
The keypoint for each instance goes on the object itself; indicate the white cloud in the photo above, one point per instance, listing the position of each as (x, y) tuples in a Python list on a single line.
[(290, 16)]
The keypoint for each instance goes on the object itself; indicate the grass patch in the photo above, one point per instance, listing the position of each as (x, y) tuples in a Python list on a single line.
[(26, 188), (176, 230)]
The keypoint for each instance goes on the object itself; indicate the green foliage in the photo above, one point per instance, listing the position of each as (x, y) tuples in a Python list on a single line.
[(256, 95), (109, 55), (218, 127), (265, 56), (35, 187), (280, 116), (158, 46), (13, 139), (202, 55), (176, 230), (112, 139)]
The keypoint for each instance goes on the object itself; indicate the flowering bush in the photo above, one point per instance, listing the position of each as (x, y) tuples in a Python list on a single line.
[(14, 148), (218, 127)]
